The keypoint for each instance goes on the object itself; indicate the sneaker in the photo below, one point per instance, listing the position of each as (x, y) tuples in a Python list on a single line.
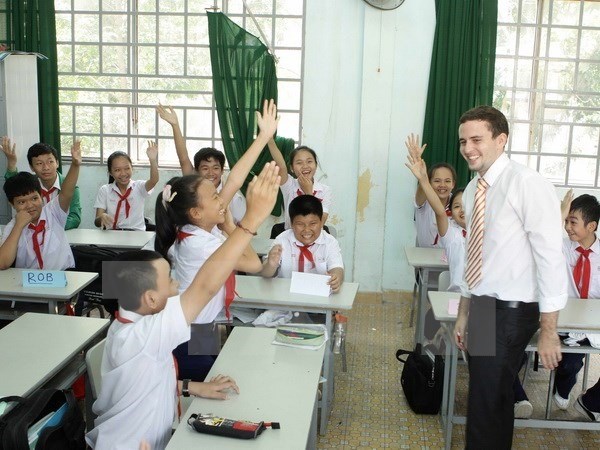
[(583, 410), (562, 403), (523, 409)]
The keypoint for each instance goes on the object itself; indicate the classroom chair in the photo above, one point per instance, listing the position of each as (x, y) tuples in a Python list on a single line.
[(93, 362), (444, 281)]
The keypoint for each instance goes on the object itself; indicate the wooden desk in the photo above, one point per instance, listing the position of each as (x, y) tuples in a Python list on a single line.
[(426, 261), (274, 293), (11, 289), (578, 315), (276, 384), (109, 238), (42, 350)]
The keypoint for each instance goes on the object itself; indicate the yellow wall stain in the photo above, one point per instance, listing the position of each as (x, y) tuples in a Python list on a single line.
[(364, 191), (334, 220)]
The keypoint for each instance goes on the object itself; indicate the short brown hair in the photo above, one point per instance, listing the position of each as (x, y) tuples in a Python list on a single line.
[(496, 121)]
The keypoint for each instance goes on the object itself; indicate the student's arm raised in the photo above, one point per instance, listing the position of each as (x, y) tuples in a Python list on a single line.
[(169, 115), (11, 154), (279, 160), (261, 196), (8, 250), (67, 189), (415, 150), (419, 170), (267, 124), (152, 152)]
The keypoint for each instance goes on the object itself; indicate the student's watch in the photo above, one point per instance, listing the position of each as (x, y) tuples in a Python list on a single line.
[(185, 391)]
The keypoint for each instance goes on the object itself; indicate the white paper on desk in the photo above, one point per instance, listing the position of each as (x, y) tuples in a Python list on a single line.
[(310, 284), (453, 306)]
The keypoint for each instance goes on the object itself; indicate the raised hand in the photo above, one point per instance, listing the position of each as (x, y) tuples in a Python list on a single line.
[(306, 184), (261, 195), (417, 166), (168, 114), (565, 204), (268, 120), (152, 151), (10, 152), (76, 153), (414, 148)]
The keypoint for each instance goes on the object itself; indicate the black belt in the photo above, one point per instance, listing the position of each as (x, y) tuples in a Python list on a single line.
[(503, 304)]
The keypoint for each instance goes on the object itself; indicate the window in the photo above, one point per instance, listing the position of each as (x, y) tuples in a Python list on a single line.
[(548, 85), (118, 58)]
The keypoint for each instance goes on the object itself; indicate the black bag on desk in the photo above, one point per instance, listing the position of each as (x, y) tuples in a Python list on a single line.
[(68, 434), (422, 380)]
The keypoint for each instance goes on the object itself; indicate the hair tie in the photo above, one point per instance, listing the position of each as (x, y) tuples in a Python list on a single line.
[(167, 197)]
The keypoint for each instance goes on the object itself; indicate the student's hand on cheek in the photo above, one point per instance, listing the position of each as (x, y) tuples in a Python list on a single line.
[(275, 256), (22, 219), (306, 184), (228, 224)]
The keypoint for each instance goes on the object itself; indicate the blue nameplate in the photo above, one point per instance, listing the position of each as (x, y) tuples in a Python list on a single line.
[(44, 278)]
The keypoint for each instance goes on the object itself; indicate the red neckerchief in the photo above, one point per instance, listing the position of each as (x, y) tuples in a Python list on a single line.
[(40, 227), (305, 253), (122, 198), (47, 193), (582, 272), (126, 321)]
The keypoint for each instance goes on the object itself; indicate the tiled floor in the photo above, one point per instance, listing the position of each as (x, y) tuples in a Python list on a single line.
[(370, 411)]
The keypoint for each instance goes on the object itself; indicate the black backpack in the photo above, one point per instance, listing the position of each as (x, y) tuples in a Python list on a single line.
[(69, 434)]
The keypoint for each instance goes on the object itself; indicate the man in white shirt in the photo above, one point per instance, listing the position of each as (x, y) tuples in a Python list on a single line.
[(514, 278)]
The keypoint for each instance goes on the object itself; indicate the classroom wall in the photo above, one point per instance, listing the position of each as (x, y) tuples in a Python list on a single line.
[(365, 86)]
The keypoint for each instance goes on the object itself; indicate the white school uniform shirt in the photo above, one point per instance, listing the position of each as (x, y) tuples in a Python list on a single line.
[(426, 225), (522, 241), (453, 243), (237, 205), (188, 256), (571, 256), (138, 398), (55, 249), (54, 193), (289, 189), (108, 198), (326, 253)]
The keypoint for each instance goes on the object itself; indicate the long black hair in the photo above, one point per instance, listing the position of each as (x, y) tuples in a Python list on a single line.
[(175, 215), (110, 160)]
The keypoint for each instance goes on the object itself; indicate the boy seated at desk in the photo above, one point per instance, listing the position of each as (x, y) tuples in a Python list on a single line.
[(138, 397), (582, 252), (305, 247), (35, 238), (43, 161)]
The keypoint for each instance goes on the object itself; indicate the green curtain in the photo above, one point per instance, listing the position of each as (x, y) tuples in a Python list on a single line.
[(461, 76), (244, 76), (32, 28)]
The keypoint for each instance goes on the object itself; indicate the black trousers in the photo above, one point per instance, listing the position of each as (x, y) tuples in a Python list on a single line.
[(497, 337)]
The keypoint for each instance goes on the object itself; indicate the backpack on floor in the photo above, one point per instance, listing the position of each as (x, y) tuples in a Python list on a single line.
[(65, 431), (422, 379)]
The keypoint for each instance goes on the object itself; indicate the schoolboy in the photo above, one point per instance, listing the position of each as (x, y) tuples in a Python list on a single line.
[(582, 252), (137, 401), (305, 247), (208, 162), (43, 161), (35, 238)]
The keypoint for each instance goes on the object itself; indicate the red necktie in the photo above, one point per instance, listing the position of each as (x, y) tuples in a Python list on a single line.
[(582, 272), (40, 227), (46, 194), (126, 321), (122, 198), (305, 253), (464, 233), (229, 293)]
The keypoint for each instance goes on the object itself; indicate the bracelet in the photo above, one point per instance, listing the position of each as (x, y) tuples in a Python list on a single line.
[(246, 229)]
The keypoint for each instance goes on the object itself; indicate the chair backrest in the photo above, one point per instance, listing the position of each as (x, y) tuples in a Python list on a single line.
[(93, 362), (444, 281), (332, 230)]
